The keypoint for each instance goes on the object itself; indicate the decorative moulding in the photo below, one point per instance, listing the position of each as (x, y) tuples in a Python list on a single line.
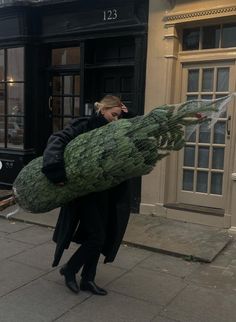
[(180, 17)]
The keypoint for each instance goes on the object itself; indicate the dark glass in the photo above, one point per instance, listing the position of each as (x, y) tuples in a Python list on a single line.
[(66, 56), (15, 64), (207, 79), (15, 132), (203, 157), (219, 133), (222, 79), (193, 80), (218, 158), (57, 85), (204, 133), (211, 37), (216, 183), (228, 36), (2, 131), (15, 99), (188, 177), (2, 66), (202, 181), (189, 156), (191, 39), (2, 98)]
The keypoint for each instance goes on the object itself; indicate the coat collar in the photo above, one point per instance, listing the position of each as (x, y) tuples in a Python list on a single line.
[(96, 120)]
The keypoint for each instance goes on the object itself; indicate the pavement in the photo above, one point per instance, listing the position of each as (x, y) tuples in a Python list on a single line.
[(143, 286)]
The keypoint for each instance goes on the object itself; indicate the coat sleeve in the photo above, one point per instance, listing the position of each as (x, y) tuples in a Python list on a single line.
[(53, 156)]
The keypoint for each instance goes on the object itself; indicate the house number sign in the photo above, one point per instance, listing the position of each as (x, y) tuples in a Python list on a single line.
[(111, 14)]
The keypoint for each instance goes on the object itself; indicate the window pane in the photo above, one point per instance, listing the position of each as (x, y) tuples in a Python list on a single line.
[(15, 132), (193, 77), (76, 106), (2, 66), (207, 97), (57, 106), (192, 97), (66, 56), (216, 183), (190, 133), (77, 85), (15, 95), (68, 106), (2, 131), (188, 177), (15, 64), (224, 113), (191, 39), (218, 158), (2, 99), (204, 133), (211, 37), (207, 80), (202, 181), (68, 85), (228, 35), (222, 80), (203, 157), (219, 133), (57, 85), (189, 156)]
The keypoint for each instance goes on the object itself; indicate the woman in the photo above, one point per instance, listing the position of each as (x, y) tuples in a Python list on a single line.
[(96, 221)]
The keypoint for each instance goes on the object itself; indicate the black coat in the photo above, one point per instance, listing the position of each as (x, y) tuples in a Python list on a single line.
[(113, 204)]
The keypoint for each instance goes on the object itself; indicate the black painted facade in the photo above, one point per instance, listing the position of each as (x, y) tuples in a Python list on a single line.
[(112, 38)]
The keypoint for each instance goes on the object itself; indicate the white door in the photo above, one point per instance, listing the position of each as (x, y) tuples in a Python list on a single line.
[(204, 162)]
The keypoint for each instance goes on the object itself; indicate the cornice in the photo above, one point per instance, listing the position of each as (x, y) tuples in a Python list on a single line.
[(180, 17)]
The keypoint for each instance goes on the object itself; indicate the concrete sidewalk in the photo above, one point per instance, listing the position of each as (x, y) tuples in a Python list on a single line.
[(143, 286)]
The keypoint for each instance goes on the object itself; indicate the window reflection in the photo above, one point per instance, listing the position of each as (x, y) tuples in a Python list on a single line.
[(66, 56)]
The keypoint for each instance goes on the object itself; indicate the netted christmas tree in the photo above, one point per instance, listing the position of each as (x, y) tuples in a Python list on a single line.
[(104, 157)]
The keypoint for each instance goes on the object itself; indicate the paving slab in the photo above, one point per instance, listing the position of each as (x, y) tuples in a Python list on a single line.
[(14, 275), (156, 288), (169, 236), (33, 235), (170, 265), (39, 301), (10, 248), (128, 257), (12, 226), (40, 257), (198, 304), (221, 278), (114, 307)]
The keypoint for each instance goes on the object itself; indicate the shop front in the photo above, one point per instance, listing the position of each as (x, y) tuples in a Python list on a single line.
[(56, 59)]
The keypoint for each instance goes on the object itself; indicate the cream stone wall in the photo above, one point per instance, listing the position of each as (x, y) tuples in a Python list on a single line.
[(161, 88)]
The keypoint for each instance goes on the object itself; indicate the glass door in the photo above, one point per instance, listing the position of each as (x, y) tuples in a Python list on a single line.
[(64, 102), (204, 162)]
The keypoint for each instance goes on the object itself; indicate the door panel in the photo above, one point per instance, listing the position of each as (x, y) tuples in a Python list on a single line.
[(204, 162)]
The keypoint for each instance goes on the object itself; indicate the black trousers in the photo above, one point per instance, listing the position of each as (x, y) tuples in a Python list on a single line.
[(93, 225)]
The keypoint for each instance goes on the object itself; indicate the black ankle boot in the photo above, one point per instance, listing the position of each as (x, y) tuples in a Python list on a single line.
[(70, 279), (92, 287)]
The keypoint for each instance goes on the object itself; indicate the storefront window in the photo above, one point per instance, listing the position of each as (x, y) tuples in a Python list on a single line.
[(209, 37), (66, 56), (12, 98)]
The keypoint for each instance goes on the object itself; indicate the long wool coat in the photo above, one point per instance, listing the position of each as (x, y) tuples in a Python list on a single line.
[(114, 204)]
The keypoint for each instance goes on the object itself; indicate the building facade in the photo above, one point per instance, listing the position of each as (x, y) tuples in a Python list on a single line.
[(191, 54), (58, 57)]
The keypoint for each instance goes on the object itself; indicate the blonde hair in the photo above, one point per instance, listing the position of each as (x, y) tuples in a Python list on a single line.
[(108, 101)]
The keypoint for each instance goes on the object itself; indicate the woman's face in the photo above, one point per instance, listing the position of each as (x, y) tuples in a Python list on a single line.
[(112, 114)]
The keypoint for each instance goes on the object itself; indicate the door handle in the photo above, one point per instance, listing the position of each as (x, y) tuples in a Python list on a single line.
[(228, 125), (50, 103)]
